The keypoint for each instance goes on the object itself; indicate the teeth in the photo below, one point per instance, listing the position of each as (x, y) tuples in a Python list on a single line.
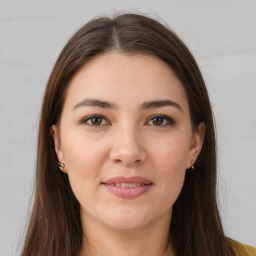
[(133, 185), (127, 185)]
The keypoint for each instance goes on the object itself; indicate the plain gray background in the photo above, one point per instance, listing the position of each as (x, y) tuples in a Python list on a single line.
[(220, 34)]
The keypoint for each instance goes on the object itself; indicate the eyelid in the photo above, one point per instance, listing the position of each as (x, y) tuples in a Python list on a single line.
[(85, 119), (168, 118)]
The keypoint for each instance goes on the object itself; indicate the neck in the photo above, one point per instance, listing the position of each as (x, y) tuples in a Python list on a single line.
[(100, 240)]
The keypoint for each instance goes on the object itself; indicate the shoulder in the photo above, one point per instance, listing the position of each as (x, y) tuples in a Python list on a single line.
[(242, 249)]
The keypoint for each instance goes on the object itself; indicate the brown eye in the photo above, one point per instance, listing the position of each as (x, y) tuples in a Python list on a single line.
[(95, 120), (161, 120), (158, 121)]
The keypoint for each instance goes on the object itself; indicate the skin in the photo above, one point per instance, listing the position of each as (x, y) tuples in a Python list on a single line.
[(127, 141)]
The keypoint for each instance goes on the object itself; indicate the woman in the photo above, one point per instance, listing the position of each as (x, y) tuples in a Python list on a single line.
[(126, 161)]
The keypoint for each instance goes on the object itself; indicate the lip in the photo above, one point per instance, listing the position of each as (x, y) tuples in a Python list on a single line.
[(123, 179), (127, 192)]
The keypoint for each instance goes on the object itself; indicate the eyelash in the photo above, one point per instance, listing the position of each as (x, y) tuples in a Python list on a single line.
[(167, 119), (89, 118)]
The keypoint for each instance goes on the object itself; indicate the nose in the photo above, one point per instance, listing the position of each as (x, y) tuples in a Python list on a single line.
[(128, 148)]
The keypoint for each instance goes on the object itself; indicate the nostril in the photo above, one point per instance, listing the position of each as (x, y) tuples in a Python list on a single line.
[(128, 156)]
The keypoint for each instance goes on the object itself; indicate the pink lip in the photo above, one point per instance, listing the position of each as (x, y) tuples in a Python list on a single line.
[(123, 179), (128, 192)]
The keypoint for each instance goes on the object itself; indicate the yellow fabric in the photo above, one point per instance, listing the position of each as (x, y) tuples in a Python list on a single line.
[(243, 249), (250, 250)]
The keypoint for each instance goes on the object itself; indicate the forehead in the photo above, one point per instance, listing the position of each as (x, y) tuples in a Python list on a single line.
[(126, 79)]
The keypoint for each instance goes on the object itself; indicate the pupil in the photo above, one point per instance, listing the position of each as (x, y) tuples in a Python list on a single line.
[(96, 120), (158, 121)]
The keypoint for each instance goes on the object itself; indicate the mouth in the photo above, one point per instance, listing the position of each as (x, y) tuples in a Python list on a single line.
[(127, 187)]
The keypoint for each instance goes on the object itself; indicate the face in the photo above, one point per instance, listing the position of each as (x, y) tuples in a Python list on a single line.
[(126, 140)]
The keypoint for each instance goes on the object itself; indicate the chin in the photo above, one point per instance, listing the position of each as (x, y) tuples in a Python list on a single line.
[(126, 225), (126, 220)]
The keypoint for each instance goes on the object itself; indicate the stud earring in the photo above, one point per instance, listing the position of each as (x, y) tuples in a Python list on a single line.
[(192, 164), (61, 165)]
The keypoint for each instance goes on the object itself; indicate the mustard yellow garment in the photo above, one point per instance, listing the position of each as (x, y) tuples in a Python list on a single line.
[(243, 249)]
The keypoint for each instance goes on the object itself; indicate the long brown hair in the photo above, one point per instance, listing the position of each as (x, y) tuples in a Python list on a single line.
[(55, 227)]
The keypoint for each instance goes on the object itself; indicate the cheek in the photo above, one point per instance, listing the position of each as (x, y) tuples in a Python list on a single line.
[(84, 170), (83, 158), (172, 153), (171, 169), (83, 153), (170, 160)]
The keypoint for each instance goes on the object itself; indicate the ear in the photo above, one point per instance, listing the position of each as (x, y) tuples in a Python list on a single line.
[(57, 144), (196, 144)]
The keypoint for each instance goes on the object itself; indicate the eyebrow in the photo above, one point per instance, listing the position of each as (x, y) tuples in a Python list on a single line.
[(95, 103), (160, 103), (109, 105)]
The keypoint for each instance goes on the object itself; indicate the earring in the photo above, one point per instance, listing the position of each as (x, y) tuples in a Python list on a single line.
[(61, 165), (192, 164)]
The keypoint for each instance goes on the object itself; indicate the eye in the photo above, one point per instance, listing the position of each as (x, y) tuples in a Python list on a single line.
[(95, 120), (161, 120)]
